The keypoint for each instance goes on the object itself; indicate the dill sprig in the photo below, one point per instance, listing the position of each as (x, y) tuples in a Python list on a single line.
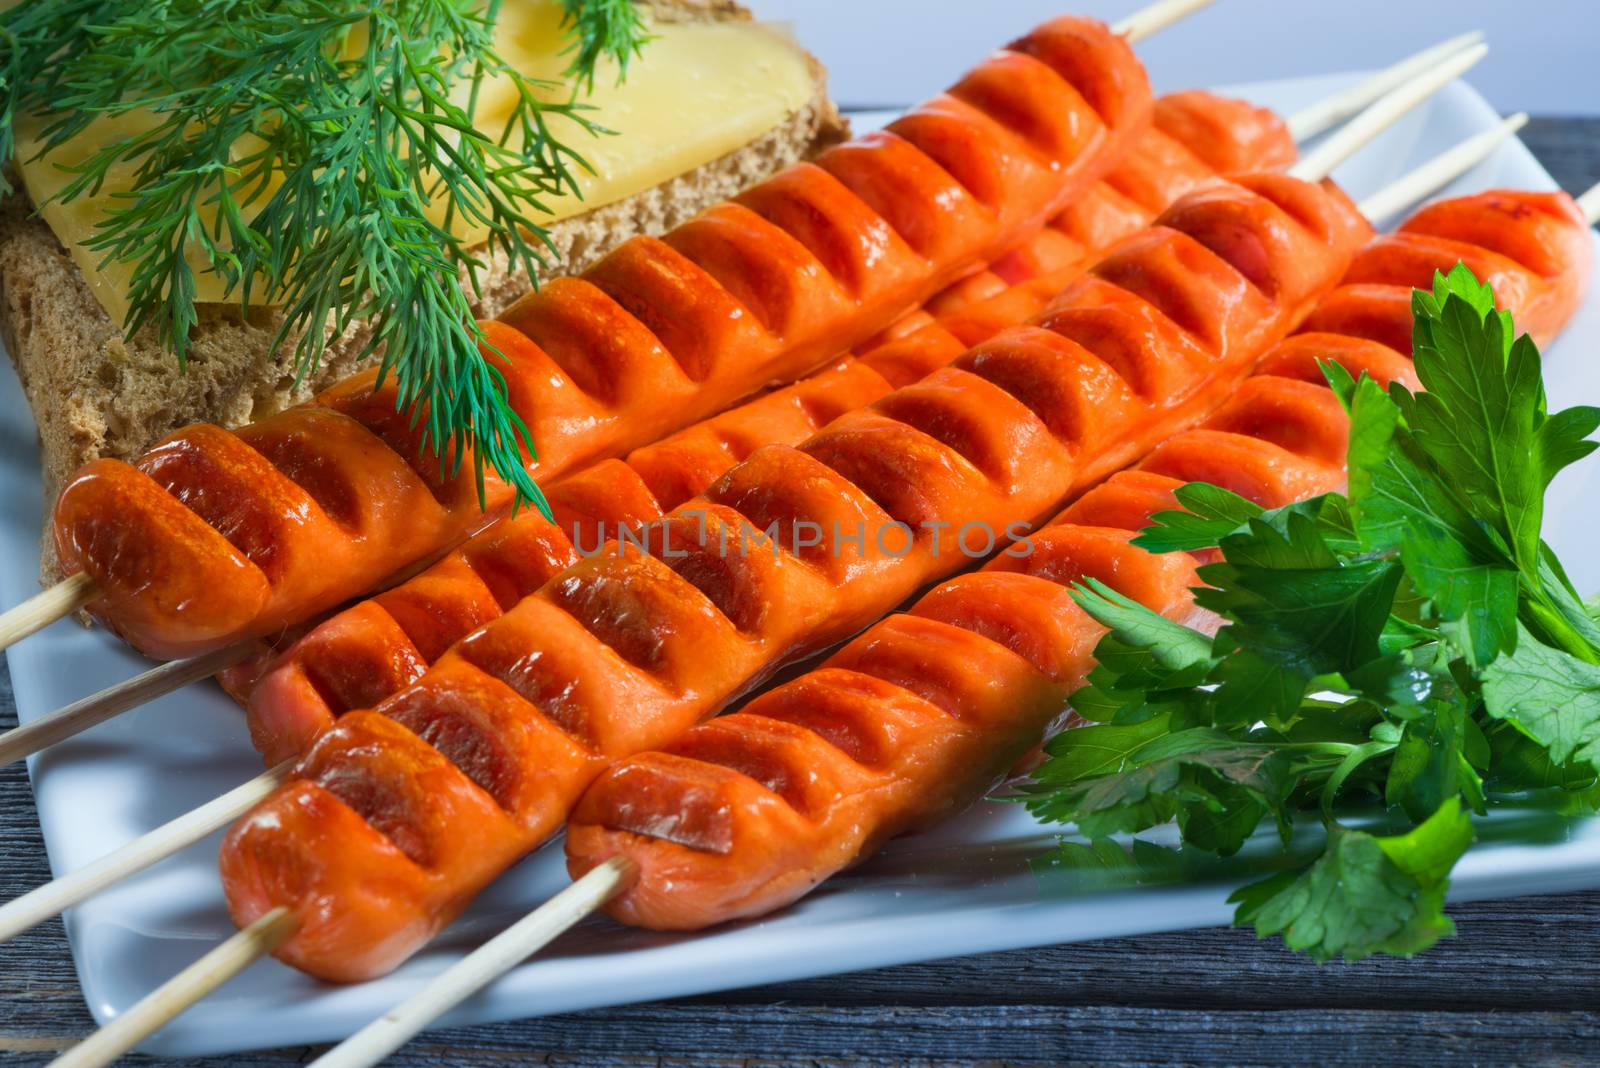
[(299, 145), (602, 28)]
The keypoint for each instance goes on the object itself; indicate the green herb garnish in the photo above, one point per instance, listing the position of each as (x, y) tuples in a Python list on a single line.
[(1414, 645), (315, 133)]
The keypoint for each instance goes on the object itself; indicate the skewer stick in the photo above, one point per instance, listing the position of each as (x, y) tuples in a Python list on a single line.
[(1319, 162), (479, 968), (505, 951), (181, 991), (1440, 171), (43, 609), (1329, 112), (1157, 17), (1589, 204), (79, 716), (33, 908)]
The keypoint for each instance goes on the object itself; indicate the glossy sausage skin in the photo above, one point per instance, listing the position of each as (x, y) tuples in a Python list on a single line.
[(906, 725), (366, 652), (1194, 137), (625, 650), (213, 537), (919, 716)]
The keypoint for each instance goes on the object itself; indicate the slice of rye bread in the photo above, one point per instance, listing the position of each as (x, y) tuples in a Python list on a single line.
[(95, 394)]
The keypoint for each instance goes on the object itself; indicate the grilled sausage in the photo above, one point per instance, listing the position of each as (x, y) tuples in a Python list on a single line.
[(1194, 137)]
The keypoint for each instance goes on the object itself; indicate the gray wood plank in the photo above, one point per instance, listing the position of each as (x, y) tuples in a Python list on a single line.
[(1519, 985)]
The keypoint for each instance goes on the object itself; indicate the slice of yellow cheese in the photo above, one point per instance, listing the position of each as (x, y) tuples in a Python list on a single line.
[(698, 91)]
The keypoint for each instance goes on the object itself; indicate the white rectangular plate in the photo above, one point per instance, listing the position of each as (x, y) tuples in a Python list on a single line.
[(964, 889)]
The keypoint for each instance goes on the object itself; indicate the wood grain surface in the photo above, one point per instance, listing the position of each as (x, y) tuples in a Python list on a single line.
[(1520, 984)]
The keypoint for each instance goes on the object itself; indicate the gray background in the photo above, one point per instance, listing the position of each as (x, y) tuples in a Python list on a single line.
[(1545, 55)]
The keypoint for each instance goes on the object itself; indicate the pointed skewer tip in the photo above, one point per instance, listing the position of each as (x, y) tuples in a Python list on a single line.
[(1148, 21), (1321, 161), (1325, 114)]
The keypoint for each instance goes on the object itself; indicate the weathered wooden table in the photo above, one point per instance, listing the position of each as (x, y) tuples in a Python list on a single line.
[(1520, 984)]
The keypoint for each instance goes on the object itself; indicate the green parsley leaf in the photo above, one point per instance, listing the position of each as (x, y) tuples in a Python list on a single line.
[(1429, 763), (1141, 797), (1217, 788), (1089, 752), (1483, 408), (1477, 601), (1293, 601), (1551, 696), (1210, 514), (1415, 643), (1172, 645), (1365, 894), (1519, 764), (1252, 687)]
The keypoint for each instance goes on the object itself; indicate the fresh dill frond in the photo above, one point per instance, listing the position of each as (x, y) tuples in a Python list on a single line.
[(299, 145), (602, 28)]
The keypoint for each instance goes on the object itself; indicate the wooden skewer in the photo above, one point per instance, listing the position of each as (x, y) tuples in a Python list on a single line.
[(43, 609), (1319, 163), (182, 990), (1589, 204), (479, 968), (82, 714), (34, 907), (1150, 20), (1329, 112), (1439, 171)]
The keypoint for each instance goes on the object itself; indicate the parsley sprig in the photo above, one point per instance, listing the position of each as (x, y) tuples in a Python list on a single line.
[(300, 144), (1414, 646)]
